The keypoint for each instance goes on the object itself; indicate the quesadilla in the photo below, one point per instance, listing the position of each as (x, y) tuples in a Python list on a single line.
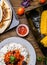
[(6, 16)]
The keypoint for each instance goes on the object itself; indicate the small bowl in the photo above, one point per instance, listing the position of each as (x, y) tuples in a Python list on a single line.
[(0, 13), (22, 30)]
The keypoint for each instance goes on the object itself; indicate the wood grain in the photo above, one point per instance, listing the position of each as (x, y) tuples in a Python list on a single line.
[(16, 4)]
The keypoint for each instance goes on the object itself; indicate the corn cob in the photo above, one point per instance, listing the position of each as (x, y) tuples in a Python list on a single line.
[(43, 23)]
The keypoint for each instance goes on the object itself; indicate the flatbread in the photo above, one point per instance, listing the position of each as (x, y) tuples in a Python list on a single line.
[(7, 16), (0, 13)]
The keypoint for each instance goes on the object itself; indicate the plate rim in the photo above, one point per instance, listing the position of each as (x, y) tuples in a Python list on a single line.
[(28, 43)]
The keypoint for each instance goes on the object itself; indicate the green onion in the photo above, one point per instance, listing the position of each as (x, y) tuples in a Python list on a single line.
[(12, 59), (39, 59)]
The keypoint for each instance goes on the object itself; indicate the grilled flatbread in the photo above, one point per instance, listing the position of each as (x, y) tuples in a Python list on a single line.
[(7, 17), (0, 13)]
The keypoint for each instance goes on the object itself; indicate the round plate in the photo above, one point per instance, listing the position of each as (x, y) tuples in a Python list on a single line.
[(8, 16), (24, 42)]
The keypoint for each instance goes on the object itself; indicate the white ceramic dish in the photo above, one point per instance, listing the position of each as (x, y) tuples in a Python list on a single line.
[(24, 42), (25, 27), (15, 20)]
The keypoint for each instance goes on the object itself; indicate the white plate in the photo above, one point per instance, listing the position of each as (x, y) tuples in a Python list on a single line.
[(15, 20), (24, 42)]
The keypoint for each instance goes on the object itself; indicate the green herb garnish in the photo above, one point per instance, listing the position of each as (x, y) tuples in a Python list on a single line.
[(12, 59), (45, 60), (39, 59)]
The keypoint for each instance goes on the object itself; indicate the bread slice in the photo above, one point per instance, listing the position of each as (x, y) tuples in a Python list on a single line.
[(7, 17)]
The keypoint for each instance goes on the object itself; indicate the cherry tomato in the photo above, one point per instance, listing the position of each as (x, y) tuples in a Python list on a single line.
[(42, 1), (20, 11)]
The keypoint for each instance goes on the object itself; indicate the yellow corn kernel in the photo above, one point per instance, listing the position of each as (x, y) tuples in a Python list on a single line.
[(43, 23), (44, 41)]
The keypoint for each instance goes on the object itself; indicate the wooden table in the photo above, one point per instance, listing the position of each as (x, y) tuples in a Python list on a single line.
[(22, 19)]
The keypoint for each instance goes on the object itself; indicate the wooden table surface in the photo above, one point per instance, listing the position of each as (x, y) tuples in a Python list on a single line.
[(22, 19)]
